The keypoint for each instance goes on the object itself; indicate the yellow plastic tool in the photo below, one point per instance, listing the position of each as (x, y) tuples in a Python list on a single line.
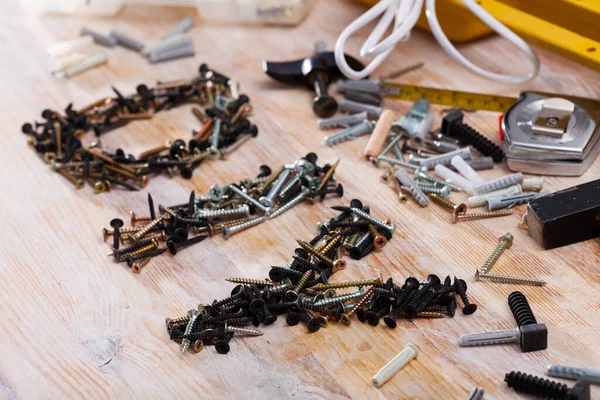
[(566, 27)]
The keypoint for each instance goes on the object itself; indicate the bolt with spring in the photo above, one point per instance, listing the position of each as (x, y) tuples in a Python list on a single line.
[(474, 216), (506, 241), (509, 279)]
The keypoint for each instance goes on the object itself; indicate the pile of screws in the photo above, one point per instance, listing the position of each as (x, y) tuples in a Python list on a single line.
[(225, 127), (226, 209), (303, 292)]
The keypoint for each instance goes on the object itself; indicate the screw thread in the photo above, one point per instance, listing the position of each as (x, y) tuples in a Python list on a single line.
[(147, 228), (348, 284), (302, 281), (484, 215), (328, 175), (153, 245), (119, 253), (193, 316), (307, 264), (242, 211), (247, 281), (270, 179), (430, 314), (521, 310), (330, 245), (394, 161), (342, 298), (287, 189), (313, 251), (540, 387), (243, 331), (489, 263), (442, 201), (371, 219), (227, 231), (509, 279), (292, 203)]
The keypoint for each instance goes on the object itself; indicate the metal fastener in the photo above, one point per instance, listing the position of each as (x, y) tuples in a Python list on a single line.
[(505, 242)]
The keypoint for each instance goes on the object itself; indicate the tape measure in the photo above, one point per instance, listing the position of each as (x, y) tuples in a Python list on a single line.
[(452, 98)]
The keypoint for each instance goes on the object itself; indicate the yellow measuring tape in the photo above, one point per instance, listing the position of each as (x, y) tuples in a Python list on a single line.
[(452, 98)]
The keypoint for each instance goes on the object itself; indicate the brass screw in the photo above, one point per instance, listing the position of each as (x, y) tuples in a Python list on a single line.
[(348, 284), (429, 314), (446, 203), (247, 281), (132, 116), (330, 245), (337, 264), (272, 178), (328, 175), (302, 281), (345, 318), (156, 150), (473, 216), (138, 218), (199, 114), (137, 266), (379, 240), (198, 346), (509, 279), (147, 228), (75, 181), (106, 233), (506, 242), (153, 245)]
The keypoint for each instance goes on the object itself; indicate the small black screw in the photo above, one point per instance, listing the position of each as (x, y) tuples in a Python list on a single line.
[(116, 224), (461, 290)]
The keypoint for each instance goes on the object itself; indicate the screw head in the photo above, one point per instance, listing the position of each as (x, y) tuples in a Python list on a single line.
[(508, 238), (372, 318), (117, 223), (379, 242), (390, 321), (469, 309), (198, 346), (339, 265), (345, 319), (222, 346), (293, 319), (172, 246), (412, 283), (314, 325), (361, 314), (269, 319), (433, 279), (461, 209)]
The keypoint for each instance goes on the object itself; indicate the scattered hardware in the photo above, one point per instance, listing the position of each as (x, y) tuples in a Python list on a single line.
[(75, 56), (547, 389), (302, 288), (226, 209), (395, 364), (531, 335), (565, 217), (561, 371), (317, 72), (225, 127)]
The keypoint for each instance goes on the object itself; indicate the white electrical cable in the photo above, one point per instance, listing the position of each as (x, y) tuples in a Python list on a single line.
[(405, 14)]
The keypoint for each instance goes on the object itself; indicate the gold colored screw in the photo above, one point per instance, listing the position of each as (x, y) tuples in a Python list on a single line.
[(345, 318), (506, 241), (141, 250), (302, 281), (147, 228), (137, 266), (101, 186), (245, 109), (330, 245), (107, 159), (172, 321), (515, 280), (75, 181), (132, 116), (142, 180), (272, 178), (448, 204), (429, 314), (198, 346), (473, 216), (337, 264), (199, 114), (327, 176), (156, 150), (348, 284), (248, 281), (138, 218), (379, 241)]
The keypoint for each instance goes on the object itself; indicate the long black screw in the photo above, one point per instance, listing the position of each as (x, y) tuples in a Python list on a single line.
[(116, 224), (174, 246), (461, 290)]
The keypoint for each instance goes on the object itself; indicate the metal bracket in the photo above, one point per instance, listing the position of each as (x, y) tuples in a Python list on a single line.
[(554, 117)]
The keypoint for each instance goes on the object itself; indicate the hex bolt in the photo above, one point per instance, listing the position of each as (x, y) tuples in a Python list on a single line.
[(116, 224), (505, 242), (547, 389), (395, 365), (514, 280), (461, 290), (192, 318), (561, 371)]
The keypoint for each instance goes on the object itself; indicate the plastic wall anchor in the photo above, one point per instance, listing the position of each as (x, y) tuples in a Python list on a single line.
[(99, 38), (490, 338), (90, 62), (409, 185), (350, 133), (561, 371), (127, 41), (67, 48), (482, 163), (476, 394), (342, 122), (480, 201), (500, 183), (466, 170), (497, 203), (534, 184), (154, 45), (183, 26), (455, 178), (181, 42), (67, 61), (345, 105), (364, 85), (178, 52), (446, 158), (395, 365)]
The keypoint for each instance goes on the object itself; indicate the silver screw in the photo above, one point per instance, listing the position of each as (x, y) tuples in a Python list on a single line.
[(227, 231), (193, 316), (249, 199), (216, 135), (515, 280), (267, 201), (392, 142), (303, 195), (421, 175), (426, 188), (242, 211), (243, 331), (360, 213), (393, 161)]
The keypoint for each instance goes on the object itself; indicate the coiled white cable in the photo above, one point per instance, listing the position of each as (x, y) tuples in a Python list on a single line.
[(405, 14)]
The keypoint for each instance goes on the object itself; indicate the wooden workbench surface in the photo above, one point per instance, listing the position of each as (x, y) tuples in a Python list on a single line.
[(76, 325)]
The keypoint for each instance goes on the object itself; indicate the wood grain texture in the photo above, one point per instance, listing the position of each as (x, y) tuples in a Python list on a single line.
[(75, 325)]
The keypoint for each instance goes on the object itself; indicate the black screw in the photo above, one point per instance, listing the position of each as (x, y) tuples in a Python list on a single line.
[(151, 207), (116, 224), (264, 171), (176, 246), (324, 105), (461, 290), (381, 305)]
